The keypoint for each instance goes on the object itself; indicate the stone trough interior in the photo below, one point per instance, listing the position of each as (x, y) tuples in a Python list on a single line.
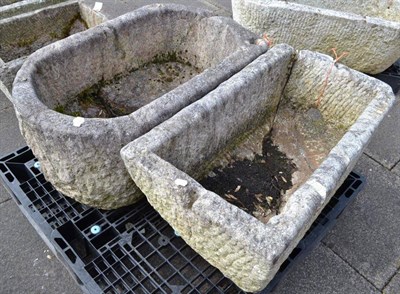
[(165, 59), (275, 98), (128, 92), (24, 34)]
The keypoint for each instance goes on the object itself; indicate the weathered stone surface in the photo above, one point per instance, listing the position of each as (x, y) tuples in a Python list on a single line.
[(368, 30), (165, 162), (7, 2), (24, 6), (21, 35), (84, 162), (7, 74)]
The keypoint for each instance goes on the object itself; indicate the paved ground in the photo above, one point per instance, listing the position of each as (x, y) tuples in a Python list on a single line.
[(360, 255)]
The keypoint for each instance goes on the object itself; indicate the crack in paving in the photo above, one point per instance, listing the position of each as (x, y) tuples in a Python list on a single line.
[(381, 164), (391, 278), (4, 201), (397, 162), (346, 262)]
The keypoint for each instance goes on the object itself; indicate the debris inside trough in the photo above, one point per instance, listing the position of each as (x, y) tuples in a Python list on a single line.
[(128, 92), (255, 186)]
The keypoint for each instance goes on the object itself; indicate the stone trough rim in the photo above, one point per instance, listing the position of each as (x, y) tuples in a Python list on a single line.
[(328, 12), (24, 94)]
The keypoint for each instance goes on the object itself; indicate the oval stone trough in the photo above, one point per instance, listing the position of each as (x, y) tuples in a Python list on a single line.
[(80, 100)]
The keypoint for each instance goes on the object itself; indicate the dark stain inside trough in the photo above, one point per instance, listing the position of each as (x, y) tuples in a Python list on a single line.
[(255, 186), (128, 92)]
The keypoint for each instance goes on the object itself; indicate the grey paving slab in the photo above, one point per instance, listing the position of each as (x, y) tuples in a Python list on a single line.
[(4, 102), (367, 234), (394, 285), (114, 8), (10, 136), (396, 169), (4, 195), (385, 145), (26, 264), (323, 272)]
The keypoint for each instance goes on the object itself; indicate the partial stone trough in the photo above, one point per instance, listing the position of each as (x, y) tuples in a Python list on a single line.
[(26, 26), (281, 97), (368, 30), (8, 9), (80, 100)]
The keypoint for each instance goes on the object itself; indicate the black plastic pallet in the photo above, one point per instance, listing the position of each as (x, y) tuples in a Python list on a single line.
[(391, 76), (136, 251)]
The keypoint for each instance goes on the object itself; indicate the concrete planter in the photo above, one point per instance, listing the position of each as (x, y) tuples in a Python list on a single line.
[(125, 58), (165, 162), (22, 34), (368, 30)]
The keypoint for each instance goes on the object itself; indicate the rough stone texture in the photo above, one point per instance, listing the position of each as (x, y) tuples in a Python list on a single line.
[(7, 2), (367, 235), (30, 31), (21, 35), (84, 162), (307, 134), (25, 6), (244, 249), (323, 272), (387, 10), (8, 72), (92, 18), (385, 144), (394, 285), (368, 31)]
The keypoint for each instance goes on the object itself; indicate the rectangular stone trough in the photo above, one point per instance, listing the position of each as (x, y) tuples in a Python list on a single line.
[(26, 26), (20, 7), (323, 136), (80, 100), (368, 30)]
